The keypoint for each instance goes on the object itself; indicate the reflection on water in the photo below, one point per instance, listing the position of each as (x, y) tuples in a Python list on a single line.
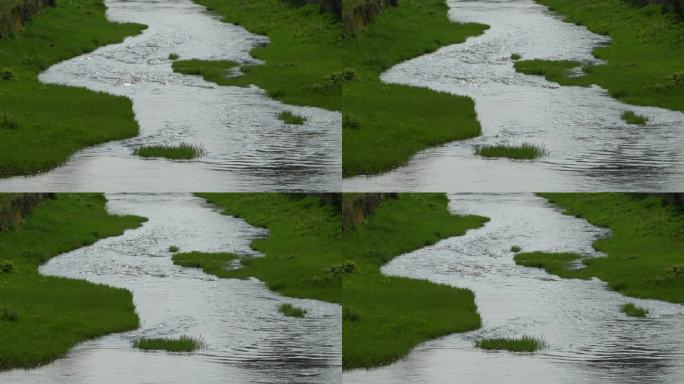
[(248, 340), (591, 148), (247, 147), (590, 340)]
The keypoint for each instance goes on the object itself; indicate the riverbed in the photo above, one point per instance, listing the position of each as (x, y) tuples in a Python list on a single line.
[(590, 147), (247, 147), (588, 339), (247, 339)]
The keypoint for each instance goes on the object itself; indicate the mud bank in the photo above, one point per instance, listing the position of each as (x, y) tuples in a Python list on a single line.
[(14, 17), (357, 17), (15, 208)]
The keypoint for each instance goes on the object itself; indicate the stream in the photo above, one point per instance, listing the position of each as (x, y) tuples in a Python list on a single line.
[(591, 148), (247, 147), (248, 340), (589, 339)]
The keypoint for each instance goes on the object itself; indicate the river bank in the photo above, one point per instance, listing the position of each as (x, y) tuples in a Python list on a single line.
[(384, 317), (56, 34), (77, 309)]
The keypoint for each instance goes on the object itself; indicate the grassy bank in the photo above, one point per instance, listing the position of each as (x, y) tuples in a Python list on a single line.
[(53, 314), (302, 250), (644, 252), (44, 124), (643, 61), (385, 317), (302, 61), (384, 124)]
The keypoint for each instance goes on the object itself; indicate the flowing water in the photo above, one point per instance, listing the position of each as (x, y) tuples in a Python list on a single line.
[(591, 148), (247, 147), (589, 339), (248, 340)]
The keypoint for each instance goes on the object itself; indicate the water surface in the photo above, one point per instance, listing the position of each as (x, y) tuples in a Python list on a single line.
[(591, 148), (589, 339), (247, 147), (248, 340)]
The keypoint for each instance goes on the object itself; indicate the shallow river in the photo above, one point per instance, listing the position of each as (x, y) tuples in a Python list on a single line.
[(589, 339), (248, 340), (591, 148), (247, 147)]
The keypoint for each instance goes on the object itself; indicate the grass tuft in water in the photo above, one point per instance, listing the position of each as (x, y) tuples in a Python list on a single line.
[(291, 311), (632, 310), (632, 118), (183, 151), (173, 249), (182, 344), (516, 57), (174, 56), (526, 151), (516, 249), (524, 344), (291, 118)]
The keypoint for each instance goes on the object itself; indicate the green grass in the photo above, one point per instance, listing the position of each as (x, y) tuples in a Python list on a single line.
[(516, 57), (182, 344), (211, 263), (174, 56), (384, 317), (644, 252), (173, 249), (632, 118), (291, 118), (386, 124), (53, 314), (291, 311), (515, 249), (523, 344), (9, 4), (302, 61), (214, 71), (183, 151), (49, 122), (643, 61), (302, 250), (526, 151), (633, 311)]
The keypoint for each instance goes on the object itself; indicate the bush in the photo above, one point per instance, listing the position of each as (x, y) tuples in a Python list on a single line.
[(8, 313), (7, 266), (7, 74)]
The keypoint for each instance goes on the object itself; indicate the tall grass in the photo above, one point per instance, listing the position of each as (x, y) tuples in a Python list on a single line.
[(290, 118)]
